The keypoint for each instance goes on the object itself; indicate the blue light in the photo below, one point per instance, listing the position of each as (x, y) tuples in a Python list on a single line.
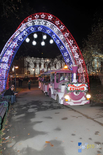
[(22, 36)]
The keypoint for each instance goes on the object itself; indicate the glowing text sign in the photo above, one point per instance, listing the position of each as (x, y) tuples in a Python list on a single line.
[(77, 87)]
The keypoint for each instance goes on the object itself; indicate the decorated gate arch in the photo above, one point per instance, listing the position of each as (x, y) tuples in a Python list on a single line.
[(51, 25)]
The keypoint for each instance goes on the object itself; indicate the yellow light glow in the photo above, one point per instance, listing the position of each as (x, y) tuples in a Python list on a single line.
[(16, 67), (65, 67)]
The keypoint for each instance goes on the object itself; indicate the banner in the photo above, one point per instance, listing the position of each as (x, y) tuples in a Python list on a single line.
[(77, 87)]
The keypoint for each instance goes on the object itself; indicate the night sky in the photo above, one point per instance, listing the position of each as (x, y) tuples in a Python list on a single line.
[(78, 17)]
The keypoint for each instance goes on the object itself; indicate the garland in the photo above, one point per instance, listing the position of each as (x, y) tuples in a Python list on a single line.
[(76, 90)]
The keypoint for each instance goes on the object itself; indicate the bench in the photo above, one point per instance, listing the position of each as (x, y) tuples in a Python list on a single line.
[(3, 111), (4, 106), (3, 98), (7, 97)]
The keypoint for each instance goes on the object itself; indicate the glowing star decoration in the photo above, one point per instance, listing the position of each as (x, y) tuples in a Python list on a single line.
[(29, 24), (65, 54), (42, 16), (71, 65), (66, 34), (29, 19), (39, 28), (50, 17), (61, 36), (80, 61), (55, 29), (67, 45), (32, 29), (51, 25), (48, 24), (20, 38), (36, 22), (67, 60), (57, 22), (36, 16), (4, 66), (61, 47), (76, 55), (53, 36), (71, 42), (42, 23), (25, 33), (5, 59), (74, 48), (8, 52), (48, 31), (57, 41), (61, 27)]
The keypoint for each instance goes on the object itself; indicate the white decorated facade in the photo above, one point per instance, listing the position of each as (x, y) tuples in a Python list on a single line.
[(34, 65)]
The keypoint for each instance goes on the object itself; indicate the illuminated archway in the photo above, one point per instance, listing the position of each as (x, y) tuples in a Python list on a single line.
[(47, 23)]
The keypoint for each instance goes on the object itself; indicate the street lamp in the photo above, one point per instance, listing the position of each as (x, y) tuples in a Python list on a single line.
[(15, 67), (34, 71), (65, 67)]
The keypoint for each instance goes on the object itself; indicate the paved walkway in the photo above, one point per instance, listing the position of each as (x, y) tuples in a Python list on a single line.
[(94, 112), (37, 125)]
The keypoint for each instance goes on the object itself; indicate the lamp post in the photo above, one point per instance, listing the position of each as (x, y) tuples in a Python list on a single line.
[(34, 71), (15, 67), (65, 67)]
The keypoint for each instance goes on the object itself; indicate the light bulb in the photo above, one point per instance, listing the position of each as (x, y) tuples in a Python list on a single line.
[(44, 36), (51, 41), (35, 35), (34, 42), (42, 43), (27, 40)]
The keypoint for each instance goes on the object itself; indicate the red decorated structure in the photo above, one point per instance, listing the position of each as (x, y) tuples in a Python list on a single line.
[(51, 25)]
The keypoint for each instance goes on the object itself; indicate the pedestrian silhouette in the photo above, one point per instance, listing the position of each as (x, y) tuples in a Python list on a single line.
[(29, 84)]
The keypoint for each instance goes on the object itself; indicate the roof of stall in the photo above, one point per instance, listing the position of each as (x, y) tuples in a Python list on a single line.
[(57, 71), (62, 71), (48, 72)]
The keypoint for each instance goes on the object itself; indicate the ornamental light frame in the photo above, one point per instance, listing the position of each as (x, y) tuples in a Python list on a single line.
[(50, 24)]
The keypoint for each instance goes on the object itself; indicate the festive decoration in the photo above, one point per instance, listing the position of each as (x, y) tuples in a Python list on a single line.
[(46, 23), (77, 87)]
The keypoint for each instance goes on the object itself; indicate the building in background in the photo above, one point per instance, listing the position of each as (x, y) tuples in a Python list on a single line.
[(34, 66), (31, 66)]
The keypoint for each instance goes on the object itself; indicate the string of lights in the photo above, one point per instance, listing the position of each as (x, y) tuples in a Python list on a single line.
[(51, 25), (44, 37)]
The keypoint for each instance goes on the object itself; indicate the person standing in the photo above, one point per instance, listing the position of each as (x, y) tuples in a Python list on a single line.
[(29, 84)]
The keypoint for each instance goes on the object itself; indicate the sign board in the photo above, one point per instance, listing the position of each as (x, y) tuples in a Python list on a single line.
[(77, 87)]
